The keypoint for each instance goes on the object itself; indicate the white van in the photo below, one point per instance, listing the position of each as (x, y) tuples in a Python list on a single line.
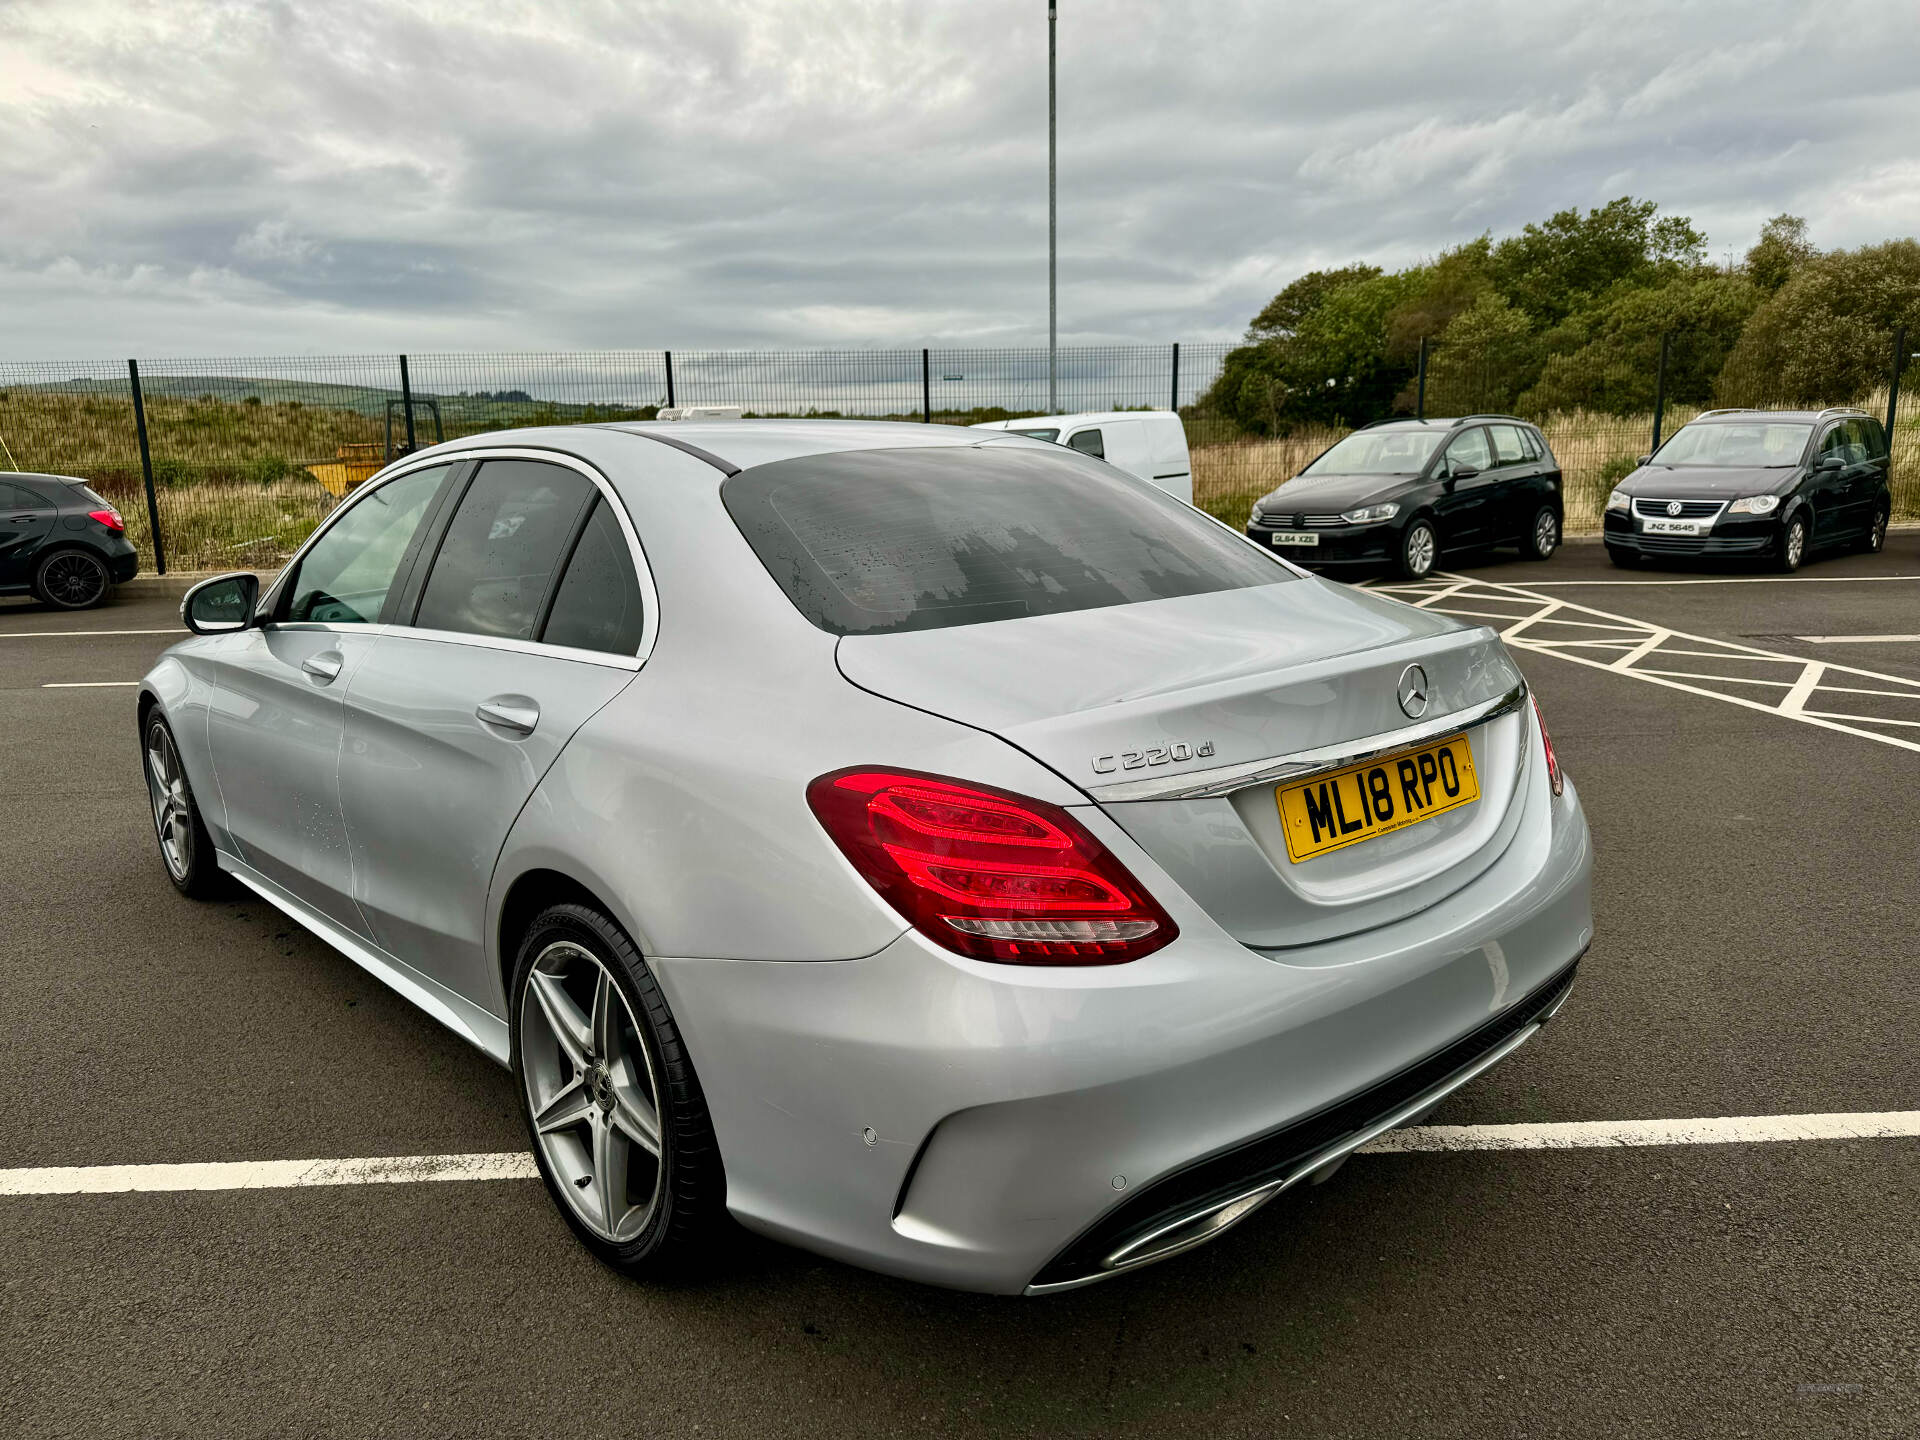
[(1149, 443)]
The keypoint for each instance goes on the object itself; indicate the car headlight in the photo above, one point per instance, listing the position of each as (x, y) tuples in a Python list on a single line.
[(1755, 505), (1618, 500), (1367, 514)]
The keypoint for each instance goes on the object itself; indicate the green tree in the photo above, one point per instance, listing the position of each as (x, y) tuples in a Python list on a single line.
[(1824, 336), (1554, 268), (1286, 312), (1489, 353), (1609, 357), (1782, 248)]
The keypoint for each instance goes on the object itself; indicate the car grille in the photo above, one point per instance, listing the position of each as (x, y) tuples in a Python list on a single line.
[(1273, 1155), (1278, 521), (1689, 509)]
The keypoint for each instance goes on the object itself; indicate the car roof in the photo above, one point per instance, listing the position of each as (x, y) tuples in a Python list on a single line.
[(746, 443), (1078, 417), (1800, 417)]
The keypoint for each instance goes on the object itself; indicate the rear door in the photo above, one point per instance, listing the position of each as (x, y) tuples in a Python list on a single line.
[(1127, 447), (26, 519), (526, 614), (277, 694), (1510, 506), (1172, 464), (1831, 484)]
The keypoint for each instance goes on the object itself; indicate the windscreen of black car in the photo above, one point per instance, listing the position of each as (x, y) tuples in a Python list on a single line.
[(869, 542), (1746, 444), (1379, 452)]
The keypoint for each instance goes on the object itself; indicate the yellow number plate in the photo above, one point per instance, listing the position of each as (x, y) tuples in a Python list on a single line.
[(1331, 811)]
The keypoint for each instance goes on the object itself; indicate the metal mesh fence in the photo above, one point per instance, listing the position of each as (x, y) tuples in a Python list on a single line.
[(249, 454)]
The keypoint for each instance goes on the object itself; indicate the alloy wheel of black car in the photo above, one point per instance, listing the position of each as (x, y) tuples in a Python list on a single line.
[(1543, 536), (1793, 545), (72, 580), (1419, 548), (1876, 539)]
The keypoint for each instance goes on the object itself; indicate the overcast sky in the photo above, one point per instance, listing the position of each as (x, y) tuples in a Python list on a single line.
[(201, 178)]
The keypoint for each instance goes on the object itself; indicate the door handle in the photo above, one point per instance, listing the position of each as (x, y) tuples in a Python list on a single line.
[(510, 712), (324, 667)]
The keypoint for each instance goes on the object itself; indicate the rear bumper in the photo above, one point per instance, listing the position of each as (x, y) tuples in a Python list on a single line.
[(988, 1127), (122, 568)]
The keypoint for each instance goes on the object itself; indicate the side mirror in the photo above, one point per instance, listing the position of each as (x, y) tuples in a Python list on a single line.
[(1643, 460), (1829, 462), (1461, 472), (221, 605)]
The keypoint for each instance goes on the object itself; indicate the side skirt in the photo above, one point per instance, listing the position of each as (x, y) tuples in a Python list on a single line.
[(485, 1031)]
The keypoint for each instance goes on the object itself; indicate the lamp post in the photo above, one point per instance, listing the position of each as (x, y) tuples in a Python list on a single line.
[(1053, 267)]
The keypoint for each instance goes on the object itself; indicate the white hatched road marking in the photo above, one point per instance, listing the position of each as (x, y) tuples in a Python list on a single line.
[(1528, 620), (57, 634), (86, 684), (1859, 639), (516, 1165)]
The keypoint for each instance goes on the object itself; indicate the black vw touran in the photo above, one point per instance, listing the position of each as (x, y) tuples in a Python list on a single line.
[(1766, 484), (1400, 492)]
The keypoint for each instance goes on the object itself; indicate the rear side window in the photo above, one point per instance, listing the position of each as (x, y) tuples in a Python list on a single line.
[(1506, 444), (1088, 442), (875, 541), (92, 496), (502, 547), (598, 605), (1875, 438), (18, 497)]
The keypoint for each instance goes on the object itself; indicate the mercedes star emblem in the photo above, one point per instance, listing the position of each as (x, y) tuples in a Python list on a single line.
[(1413, 691)]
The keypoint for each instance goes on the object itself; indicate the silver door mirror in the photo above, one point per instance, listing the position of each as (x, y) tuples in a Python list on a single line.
[(221, 605)]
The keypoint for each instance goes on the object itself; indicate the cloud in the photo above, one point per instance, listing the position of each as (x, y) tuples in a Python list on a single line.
[(215, 175)]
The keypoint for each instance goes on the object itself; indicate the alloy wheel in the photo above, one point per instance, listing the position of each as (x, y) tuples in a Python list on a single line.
[(1796, 544), (591, 1090), (1877, 537), (172, 810), (73, 580), (1546, 534), (1420, 550)]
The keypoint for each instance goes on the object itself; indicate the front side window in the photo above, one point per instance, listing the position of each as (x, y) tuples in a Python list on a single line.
[(875, 541), (344, 578), (598, 605), (1088, 442), (1470, 452), (502, 547), (1507, 446), (1755, 444), (1379, 452)]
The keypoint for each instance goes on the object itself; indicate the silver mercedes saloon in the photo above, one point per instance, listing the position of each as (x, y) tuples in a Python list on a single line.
[(931, 847)]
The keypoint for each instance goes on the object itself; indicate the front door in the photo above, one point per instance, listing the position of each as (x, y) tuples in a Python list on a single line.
[(452, 723), (278, 694), (1467, 489)]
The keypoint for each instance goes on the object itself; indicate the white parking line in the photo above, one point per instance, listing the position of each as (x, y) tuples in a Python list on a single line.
[(1735, 580), (514, 1165), (86, 684), (56, 634), (1539, 623), (1605, 1134), (1860, 639)]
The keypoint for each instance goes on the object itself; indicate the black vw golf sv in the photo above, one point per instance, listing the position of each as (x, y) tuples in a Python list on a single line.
[(1766, 484), (1402, 492)]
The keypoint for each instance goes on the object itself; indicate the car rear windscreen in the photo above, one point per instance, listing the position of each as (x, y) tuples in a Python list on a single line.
[(867, 542)]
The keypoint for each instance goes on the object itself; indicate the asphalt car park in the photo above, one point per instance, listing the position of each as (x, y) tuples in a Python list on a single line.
[(1753, 959)]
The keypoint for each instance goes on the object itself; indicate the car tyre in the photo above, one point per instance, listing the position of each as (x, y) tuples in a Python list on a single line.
[(615, 1113), (1419, 549), (71, 580), (1543, 535), (186, 849), (1792, 549), (1875, 540)]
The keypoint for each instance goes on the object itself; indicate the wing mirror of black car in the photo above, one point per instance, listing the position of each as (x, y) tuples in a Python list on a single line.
[(1461, 472), (1829, 462), (221, 605)]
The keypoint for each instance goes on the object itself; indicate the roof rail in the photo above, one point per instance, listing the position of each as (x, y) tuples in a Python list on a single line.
[(1839, 410), (1397, 420), (1730, 410), (1490, 416)]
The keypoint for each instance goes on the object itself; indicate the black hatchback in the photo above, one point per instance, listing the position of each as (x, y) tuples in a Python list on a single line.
[(61, 542), (1772, 485), (1403, 492)]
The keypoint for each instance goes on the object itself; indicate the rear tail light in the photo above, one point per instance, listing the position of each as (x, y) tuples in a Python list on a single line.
[(988, 873), (1554, 777), (109, 518)]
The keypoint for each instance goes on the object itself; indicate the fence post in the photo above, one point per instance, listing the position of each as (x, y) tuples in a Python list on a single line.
[(406, 401), (926, 386), (1893, 380), (1173, 403), (669, 355), (1660, 389), (146, 468), (1420, 389)]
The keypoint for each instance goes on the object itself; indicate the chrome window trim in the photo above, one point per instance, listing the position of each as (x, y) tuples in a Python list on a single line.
[(1225, 779), (643, 572)]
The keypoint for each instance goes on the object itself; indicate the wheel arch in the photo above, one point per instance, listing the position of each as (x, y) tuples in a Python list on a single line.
[(529, 893)]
